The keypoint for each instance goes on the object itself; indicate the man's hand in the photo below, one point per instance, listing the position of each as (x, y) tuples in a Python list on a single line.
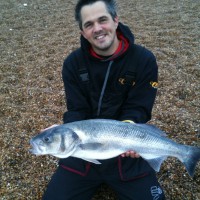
[(131, 154)]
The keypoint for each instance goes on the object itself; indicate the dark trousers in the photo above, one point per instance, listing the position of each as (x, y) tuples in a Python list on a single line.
[(82, 181)]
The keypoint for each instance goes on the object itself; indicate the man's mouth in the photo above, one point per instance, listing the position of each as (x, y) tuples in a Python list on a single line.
[(99, 37)]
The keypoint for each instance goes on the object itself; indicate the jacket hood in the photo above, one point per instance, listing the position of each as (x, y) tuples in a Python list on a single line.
[(123, 29)]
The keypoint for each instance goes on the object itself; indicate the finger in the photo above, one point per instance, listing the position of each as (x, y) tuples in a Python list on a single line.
[(127, 153), (136, 155), (123, 155)]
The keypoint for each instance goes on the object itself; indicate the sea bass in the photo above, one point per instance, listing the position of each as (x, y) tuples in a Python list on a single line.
[(99, 139)]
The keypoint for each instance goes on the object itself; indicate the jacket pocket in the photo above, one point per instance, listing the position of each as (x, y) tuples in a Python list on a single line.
[(75, 165), (133, 168)]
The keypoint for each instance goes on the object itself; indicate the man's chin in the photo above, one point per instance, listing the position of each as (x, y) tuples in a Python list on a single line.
[(102, 48)]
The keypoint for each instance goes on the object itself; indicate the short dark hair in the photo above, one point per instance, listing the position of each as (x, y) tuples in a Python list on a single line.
[(110, 5)]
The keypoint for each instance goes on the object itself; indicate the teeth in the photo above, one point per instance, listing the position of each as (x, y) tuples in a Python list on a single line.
[(100, 37)]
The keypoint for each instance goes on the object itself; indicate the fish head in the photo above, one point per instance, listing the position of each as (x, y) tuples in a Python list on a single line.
[(57, 141)]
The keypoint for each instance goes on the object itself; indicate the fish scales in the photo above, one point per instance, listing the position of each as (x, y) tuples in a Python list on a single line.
[(97, 139), (123, 134)]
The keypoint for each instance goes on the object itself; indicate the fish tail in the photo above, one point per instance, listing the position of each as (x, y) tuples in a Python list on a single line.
[(191, 159)]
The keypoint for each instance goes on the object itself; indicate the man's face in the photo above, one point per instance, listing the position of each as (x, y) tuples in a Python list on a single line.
[(99, 28)]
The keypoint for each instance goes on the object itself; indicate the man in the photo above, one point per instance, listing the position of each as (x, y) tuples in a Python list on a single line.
[(108, 77)]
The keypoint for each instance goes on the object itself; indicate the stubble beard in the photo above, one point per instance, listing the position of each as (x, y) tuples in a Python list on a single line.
[(105, 47)]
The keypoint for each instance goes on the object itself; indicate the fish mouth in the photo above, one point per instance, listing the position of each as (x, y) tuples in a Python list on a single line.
[(36, 148), (34, 151)]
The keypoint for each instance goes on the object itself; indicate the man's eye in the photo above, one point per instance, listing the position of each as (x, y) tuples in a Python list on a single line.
[(103, 20), (88, 25)]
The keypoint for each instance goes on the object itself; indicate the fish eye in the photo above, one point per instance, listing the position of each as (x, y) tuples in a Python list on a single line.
[(47, 139)]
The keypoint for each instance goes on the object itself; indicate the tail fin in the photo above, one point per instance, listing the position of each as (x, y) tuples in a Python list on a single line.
[(190, 162)]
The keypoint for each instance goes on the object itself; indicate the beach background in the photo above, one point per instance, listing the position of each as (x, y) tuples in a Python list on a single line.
[(36, 36)]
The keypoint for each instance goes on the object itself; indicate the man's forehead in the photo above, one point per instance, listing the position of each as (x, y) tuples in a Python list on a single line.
[(94, 11)]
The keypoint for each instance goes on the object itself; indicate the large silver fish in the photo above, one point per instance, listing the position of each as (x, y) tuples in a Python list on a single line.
[(98, 139)]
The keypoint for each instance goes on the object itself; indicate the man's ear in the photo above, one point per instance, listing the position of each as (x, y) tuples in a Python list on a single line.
[(83, 34), (116, 20)]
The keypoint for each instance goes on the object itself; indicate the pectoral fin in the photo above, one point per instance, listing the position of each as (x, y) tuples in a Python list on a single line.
[(91, 146), (92, 161)]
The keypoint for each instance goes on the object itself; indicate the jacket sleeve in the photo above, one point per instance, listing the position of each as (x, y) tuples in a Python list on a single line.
[(77, 105), (140, 99)]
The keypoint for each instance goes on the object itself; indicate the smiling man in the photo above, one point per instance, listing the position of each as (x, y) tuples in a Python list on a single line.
[(108, 77), (99, 28)]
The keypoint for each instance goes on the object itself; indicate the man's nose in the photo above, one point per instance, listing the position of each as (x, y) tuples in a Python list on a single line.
[(97, 27)]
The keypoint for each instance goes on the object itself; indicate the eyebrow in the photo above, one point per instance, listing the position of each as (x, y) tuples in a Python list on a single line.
[(103, 17)]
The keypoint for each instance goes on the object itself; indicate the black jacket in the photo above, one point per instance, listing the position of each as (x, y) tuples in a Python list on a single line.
[(120, 101)]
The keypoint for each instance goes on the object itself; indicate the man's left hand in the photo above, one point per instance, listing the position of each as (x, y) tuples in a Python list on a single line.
[(131, 154)]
